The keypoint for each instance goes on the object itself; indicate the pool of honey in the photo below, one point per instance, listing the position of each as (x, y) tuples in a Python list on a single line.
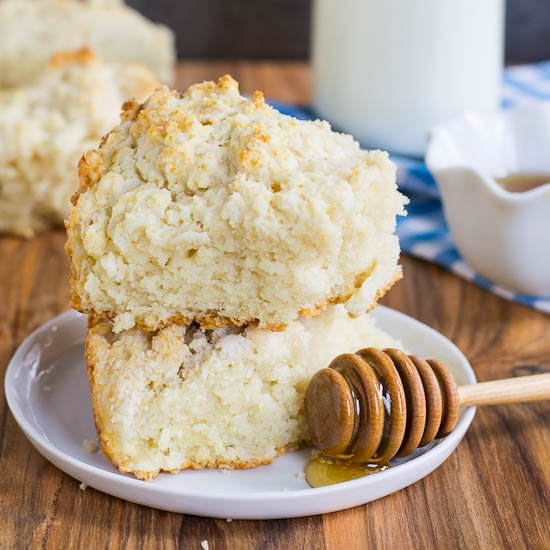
[(322, 471)]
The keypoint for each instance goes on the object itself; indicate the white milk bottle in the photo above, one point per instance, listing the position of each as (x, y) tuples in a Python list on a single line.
[(387, 71)]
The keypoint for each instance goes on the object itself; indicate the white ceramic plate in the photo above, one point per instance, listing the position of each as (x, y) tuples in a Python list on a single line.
[(47, 392)]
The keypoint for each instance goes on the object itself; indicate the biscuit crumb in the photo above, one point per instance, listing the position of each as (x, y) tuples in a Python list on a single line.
[(204, 545), (229, 520), (300, 475), (90, 446), (83, 486)]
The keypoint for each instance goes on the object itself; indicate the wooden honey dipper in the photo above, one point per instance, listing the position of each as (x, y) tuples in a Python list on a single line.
[(373, 405)]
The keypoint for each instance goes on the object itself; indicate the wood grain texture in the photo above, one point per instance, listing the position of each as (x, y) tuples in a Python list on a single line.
[(493, 493)]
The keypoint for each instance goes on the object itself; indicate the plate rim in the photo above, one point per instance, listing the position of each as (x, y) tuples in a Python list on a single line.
[(40, 442)]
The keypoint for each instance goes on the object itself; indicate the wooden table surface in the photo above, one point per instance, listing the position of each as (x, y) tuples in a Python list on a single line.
[(493, 492)]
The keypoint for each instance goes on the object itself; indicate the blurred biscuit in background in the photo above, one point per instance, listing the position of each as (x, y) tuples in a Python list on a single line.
[(32, 30), (47, 125)]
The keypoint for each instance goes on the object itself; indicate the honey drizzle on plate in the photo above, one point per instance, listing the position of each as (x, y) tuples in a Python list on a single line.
[(322, 470)]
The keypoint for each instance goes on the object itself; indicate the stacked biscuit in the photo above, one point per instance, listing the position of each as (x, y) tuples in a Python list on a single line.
[(224, 253), (57, 99)]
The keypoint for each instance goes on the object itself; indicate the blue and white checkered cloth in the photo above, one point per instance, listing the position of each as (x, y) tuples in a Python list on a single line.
[(424, 232)]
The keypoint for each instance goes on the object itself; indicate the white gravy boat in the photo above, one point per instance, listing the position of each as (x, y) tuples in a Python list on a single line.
[(503, 235)]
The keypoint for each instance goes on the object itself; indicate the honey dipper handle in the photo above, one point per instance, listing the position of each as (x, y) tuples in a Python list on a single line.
[(508, 390)]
